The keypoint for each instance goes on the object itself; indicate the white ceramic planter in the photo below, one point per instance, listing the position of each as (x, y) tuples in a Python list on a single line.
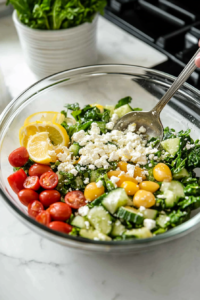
[(51, 51)]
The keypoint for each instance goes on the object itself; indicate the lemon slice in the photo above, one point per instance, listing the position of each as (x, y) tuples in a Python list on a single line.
[(45, 116), (38, 147), (57, 134)]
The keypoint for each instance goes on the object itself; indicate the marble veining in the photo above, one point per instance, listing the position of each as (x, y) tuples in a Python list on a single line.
[(32, 267)]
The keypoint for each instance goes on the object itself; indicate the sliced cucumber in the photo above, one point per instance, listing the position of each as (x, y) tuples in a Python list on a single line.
[(140, 233), (183, 173), (94, 174), (100, 219), (97, 201), (130, 214), (122, 110), (118, 229), (111, 108), (94, 235), (79, 182), (172, 191), (149, 213), (162, 221), (171, 145), (79, 222), (115, 199), (74, 148)]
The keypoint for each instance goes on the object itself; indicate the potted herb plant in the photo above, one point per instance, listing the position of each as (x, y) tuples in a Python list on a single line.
[(57, 34)]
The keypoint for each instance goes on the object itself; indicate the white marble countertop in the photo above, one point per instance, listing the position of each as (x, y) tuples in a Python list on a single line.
[(33, 268)]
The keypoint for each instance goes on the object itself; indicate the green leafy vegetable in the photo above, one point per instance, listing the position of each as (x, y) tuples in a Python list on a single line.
[(123, 101), (56, 14), (74, 106), (190, 202)]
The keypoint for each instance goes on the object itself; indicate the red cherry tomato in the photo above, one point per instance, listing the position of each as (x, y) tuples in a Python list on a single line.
[(34, 208), (32, 182), (49, 180), (27, 196), (60, 226), (18, 157), (75, 199), (49, 197), (44, 217), (60, 211), (38, 170), (16, 180)]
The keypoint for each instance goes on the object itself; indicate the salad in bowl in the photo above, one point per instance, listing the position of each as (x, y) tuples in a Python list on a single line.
[(79, 176)]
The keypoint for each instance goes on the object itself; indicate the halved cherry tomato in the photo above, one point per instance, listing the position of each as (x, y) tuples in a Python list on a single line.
[(18, 157), (32, 183), (49, 197), (60, 211), (44, 217), (49, 180), (34, 208), (16, 180), (75, 199), (60, 226), (27, 196), (38, 170)]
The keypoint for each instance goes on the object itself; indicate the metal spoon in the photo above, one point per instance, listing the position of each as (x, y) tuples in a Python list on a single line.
[(151, 119)]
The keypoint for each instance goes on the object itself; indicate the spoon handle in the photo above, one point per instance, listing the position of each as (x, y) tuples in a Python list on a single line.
[(187, 71)]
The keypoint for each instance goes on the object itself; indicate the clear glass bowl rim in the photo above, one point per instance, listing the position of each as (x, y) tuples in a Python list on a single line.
[(56, 236)]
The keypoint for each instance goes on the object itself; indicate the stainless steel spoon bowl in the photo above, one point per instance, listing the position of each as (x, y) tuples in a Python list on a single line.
[(151, 119)]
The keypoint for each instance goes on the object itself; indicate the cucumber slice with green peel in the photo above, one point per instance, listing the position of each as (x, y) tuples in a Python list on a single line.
[(94, 174), (94, 235), (183, 173), (111, 108), (162, 221), (118, 229), (100, 219), (74, 148), (171, 145), (115, 199), (130, 214), (122, 110), (149, 213), (140, 233), (79, 222), (97, 201), (172, 192)]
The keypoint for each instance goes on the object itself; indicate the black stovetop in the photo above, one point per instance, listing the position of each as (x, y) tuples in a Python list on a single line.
[(171, 26)]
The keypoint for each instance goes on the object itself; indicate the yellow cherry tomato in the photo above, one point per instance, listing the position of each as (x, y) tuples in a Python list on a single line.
[(162, 172), (130, 187), (138, 172), (122, 178), (144, 198), (92, 191), (149, 186), (122, 165)]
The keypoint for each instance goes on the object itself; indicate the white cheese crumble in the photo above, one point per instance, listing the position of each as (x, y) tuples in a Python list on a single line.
[(114, 118), (86, 181), (83, 210), (142, 208), (130, 170), (139, 179), (131, 127), (110, 125), (87, 224), (142, 129), (188, 146), (114, 179), (150, 224), (99, 183)]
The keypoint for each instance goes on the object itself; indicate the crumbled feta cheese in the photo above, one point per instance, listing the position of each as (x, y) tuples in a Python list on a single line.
[(114, 118), (114, 179), (139, 179), (130, 170), (110, 125), (91, 167), (151, 156), (161, 196), (188, 146), (142, 208), (83, 210), (87, 224), (150, 165), (142, 129), (73, 171), (99, 183), (94, 129), (96, 238), (77, 136), (113, 156), (131, 127), (86, 181), (150, 224), (167, 219)]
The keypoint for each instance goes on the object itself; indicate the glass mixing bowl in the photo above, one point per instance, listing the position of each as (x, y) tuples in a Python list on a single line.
[(104, 84)]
